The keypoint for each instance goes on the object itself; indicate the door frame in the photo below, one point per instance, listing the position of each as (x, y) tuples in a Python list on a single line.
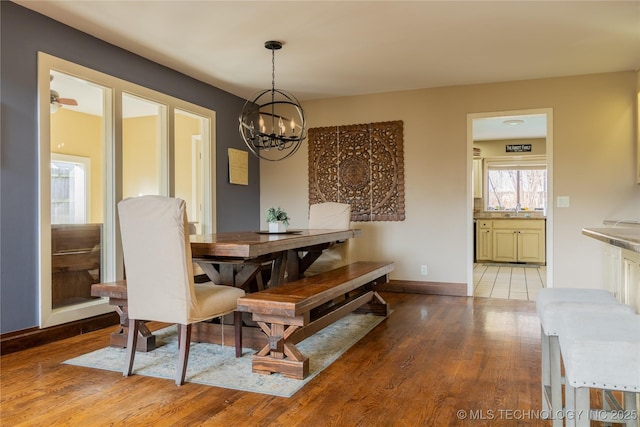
[(549, 152)]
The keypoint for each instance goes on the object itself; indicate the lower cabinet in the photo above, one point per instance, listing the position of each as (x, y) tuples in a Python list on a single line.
[(622, 272), (511, 240), (631, 279), (484, 240)]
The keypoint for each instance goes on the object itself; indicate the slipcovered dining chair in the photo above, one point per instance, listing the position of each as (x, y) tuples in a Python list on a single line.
[(333, 216), (159, 275)]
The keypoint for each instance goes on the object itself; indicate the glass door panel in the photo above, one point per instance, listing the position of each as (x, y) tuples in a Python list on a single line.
[(77, 142)]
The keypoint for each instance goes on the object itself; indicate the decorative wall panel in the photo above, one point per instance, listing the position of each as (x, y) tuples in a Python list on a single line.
[(362, 165)]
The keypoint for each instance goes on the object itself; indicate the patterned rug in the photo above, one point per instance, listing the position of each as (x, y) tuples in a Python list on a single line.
[(214, 365)]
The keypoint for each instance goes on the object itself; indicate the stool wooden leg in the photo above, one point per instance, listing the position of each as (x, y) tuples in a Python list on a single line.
[(556, 381), (546, 374), (582, 407), (631, 409), (570, 405)]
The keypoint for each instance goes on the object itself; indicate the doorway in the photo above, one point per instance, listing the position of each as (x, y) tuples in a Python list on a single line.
[(516, 144)]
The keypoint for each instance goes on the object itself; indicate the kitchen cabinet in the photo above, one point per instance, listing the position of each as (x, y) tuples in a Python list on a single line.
[(477, 177), (484, 240), (518, 240), (622, 275), (630, 285)]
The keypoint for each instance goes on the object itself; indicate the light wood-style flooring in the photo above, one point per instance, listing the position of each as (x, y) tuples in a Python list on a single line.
[(508, 281), (435, 361)]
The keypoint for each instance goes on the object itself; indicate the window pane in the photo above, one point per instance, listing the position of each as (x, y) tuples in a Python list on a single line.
[(533, 189), (502, 188), (69, 191), (518, 187)]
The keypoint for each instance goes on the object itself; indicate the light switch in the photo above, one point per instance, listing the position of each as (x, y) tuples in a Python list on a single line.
[(562, 202)]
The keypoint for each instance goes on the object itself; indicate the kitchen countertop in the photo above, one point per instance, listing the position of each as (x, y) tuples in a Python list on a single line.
[(503, 216), (622, 237)]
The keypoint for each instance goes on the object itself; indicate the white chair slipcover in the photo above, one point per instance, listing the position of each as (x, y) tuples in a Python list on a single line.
[(332, 216), (159, 273)]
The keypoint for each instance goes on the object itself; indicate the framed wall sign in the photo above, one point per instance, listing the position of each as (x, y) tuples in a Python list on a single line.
[(238, 166), (518, 148)]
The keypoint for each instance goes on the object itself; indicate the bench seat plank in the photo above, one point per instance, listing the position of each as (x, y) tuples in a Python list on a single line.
[(299, 297)]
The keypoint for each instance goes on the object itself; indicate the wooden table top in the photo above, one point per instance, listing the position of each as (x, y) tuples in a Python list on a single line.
[(251, 244)]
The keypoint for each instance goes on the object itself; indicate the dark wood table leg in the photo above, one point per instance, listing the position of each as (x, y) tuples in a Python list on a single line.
[(146, 340)]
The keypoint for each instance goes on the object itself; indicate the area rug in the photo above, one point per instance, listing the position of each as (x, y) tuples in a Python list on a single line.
[(215, 365)]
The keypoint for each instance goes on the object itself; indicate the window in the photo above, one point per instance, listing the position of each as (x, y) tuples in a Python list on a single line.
[(512, 185), (69, 190)]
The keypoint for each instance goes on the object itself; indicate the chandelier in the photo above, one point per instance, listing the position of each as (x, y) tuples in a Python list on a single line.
[(272, 122)]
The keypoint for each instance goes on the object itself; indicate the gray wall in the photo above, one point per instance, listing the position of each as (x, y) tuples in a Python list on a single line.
[(23, 34)]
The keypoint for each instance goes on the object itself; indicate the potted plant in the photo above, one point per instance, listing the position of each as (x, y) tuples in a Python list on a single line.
[(278, 220)]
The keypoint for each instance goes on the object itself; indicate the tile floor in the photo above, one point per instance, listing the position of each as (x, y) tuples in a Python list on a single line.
[(508, 281)]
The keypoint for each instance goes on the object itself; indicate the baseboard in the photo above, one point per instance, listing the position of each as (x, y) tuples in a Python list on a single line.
[(430, 288), (33, 337)]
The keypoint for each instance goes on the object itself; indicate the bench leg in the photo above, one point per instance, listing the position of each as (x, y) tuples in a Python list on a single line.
[(280, 355)]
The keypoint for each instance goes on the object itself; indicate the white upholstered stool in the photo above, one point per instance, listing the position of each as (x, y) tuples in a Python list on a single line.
[(550, 305), (600, 350)]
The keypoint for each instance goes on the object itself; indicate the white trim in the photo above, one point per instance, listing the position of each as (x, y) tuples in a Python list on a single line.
[(48, 315)]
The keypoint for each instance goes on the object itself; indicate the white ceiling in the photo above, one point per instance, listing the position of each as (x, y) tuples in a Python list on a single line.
[(343, 48)]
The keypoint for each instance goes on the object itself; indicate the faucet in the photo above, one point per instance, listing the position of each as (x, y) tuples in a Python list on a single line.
[(517, 209)]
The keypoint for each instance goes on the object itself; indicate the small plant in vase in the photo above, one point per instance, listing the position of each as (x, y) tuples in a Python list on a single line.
[(277, 219)]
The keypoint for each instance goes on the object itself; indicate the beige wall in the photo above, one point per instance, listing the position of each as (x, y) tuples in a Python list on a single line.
[(140, 156), (593, 164), (185, 128)]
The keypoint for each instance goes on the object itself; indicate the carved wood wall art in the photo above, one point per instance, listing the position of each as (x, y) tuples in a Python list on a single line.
[(362, 165)]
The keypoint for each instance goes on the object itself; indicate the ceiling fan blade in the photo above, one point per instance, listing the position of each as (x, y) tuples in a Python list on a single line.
[(67, 101)]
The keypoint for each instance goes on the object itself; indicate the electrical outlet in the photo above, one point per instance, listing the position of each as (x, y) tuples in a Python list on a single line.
[(423, 270)]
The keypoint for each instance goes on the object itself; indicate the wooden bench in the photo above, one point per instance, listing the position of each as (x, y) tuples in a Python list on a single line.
[(291, 312), (75, 262)]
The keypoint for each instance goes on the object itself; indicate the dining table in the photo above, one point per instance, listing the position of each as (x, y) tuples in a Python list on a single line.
[(253, 261), (240, 258)]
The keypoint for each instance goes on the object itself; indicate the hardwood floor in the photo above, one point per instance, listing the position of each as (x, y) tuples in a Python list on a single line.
[(435, 361)]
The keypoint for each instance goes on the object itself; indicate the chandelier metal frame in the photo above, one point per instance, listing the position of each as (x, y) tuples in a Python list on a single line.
[(270, 140)]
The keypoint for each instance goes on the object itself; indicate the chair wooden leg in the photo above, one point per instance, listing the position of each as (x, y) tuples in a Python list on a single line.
[(237, 322), (132, 342), (184, 340)]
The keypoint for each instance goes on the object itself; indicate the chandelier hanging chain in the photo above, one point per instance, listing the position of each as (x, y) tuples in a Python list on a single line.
[(273, 85), (273, 70)]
